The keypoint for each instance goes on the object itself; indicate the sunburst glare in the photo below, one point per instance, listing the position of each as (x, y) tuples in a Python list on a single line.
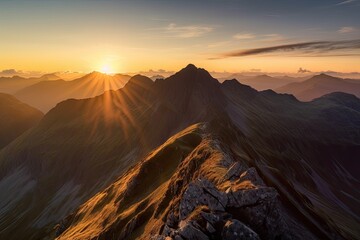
[(106, 69)]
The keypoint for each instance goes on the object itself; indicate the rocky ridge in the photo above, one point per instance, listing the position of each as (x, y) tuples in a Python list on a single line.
[(211, 194)]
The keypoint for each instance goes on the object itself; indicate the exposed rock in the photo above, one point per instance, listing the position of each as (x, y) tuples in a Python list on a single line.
[(234, 171), (188, 231), (252, 176), (210, 217), (236, 230), (247, 197), (202, 192), (210, 228)]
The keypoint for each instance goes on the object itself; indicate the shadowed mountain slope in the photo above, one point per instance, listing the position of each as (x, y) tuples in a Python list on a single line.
[(15, 118), (296, 154), (320, 85), (46, 94)]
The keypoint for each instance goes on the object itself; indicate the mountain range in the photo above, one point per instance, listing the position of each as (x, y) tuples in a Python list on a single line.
[(186, 157), (13, 84), (320, 85), (263, 82), (44, 95)]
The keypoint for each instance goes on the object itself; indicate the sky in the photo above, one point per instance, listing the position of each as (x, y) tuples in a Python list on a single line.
[(219, 35)]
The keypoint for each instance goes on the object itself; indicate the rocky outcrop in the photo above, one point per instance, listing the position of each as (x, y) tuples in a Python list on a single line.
[(247, 209), (236, 230), (202, 193)]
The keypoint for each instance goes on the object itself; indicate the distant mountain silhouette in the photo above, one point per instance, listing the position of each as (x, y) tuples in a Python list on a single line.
[(46, 94), (13, 84), (320, 85), (263, 82), (187, 157), (15, 118)]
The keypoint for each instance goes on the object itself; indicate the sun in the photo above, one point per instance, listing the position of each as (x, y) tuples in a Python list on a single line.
[(106, 69)]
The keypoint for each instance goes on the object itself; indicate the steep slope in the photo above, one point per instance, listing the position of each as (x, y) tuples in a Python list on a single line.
[(210, 182), (309, 151), (81, 146), (263, 82), (202, 191), (318, 86), (46, 94), (15, 118)]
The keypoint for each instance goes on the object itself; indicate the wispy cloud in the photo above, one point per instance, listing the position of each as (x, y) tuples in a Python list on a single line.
[(274, 37), (190, 31), (347, 30), (345, 2), (241, 36), (318, 48)]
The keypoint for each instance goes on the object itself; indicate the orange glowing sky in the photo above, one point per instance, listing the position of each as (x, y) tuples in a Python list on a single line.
[(131, 36)]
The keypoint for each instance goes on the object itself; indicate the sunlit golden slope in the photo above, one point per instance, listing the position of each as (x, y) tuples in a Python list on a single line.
[(194, 187), (137, 194)]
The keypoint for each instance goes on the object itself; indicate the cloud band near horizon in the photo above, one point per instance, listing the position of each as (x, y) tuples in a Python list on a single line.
[(316, 47)]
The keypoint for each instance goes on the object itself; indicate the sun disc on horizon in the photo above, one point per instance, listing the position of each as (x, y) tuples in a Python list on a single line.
[(105, 69)]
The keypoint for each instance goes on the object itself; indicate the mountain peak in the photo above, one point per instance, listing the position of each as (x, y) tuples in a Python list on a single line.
[(323, 76), (193, 74), (139, 81), (50, 76), (191, 66), (190, 69)]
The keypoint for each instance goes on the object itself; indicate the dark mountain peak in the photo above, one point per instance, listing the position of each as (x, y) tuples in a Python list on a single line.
[(239, 88), (278, 96), (191, 74), (190, 69), (191, 66), (236, 84), (140, 80)]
